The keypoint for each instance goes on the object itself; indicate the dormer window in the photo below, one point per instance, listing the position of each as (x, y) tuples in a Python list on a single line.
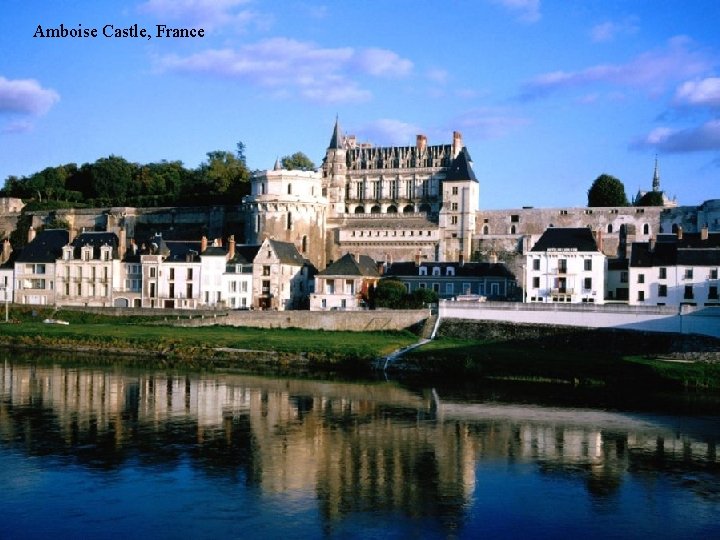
[(423, 271), (450, 271), (436, 271)]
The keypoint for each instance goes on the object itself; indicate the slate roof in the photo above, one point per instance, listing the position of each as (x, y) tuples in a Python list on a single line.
[(618, 264), (245, 254), (347, 265), (287, 252), (214, 251), (664, 254), (461, 167), (96, 240), (180, 251), (471, 269), (46, 247), (580, 238)]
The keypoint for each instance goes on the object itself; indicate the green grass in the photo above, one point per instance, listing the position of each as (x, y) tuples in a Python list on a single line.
[(159, 338), (455, 357)]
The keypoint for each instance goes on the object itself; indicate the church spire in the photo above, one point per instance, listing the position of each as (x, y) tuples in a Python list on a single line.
[(278, 165), (656, 177), (336, 140)]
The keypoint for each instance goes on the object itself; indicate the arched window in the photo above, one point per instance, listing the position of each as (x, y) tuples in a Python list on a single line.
[(289, 189), (486, 229), (359, 210), (513, 230), (375, 209), (409, 209), (646, 228), (289, 221), (392, 209), (609, 228)]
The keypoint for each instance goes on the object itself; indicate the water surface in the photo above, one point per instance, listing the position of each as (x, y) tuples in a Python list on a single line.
[(125, 453)]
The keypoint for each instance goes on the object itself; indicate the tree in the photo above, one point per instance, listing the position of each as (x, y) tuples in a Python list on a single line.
[(298, 161), (224, 174), (390, 293), (420, 298), (607, 190), (651, 198), (240, 152)]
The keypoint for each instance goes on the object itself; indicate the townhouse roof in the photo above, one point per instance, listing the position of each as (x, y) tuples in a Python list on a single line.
[(618, 263), (286, 252), (96, 240), (471, 269), (349, 265), (245, 254), (662, 254), (46, 247), (214, 251), (562, 238), (691, 240)]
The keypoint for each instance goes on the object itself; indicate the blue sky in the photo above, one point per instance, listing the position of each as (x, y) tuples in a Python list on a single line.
[(547, 94)]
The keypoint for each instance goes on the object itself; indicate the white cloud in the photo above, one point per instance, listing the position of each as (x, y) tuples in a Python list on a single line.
[(436, 75), (287, 67), (704, 92), (381, 62), (705, 137), (651, 71), (490, 122), (19, 126), (528, 10), (609, 30), (208, 14), (386, 131), (26, 96)]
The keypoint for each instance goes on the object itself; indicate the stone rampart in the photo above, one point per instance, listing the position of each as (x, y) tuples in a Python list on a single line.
[(647, 319)]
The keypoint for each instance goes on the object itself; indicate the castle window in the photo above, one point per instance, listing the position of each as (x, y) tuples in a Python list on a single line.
[(289, 221), (609, 228), (454, 207), (646, 228), (289, 189), (453, 220), (513, 230), (304, 244), (563, 212), (515, 218), (454, 190), (485, 229)]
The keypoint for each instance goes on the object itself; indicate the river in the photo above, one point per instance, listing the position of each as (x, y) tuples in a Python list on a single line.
[(120, 452)]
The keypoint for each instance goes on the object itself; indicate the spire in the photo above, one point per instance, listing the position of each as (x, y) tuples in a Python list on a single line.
[(656, 177), (336, 140), (278, 165)]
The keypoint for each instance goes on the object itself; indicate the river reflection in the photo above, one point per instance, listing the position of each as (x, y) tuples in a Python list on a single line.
[(112, 452)]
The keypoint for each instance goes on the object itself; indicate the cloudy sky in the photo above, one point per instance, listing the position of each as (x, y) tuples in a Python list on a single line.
[(548, 94)]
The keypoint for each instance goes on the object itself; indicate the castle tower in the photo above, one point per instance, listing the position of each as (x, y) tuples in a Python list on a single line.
[(656, 177), (460, 196), (334, 170), (287, 206)]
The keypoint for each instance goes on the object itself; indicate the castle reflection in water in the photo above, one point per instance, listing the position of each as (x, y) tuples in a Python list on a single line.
[(355, 447)]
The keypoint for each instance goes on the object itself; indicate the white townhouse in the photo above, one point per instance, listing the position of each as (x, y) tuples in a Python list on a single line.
[(7, 273), (344, 284), (35, 266), (676, 269), (85, 272), (212, 267), (237, 280), (281, 277), (565, 265), (170, 274)]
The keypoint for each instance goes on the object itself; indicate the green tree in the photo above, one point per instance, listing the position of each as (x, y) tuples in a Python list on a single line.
[(607, 190), (390, 293), (223, 174), (297, 161), (420, 298), (651, 198)]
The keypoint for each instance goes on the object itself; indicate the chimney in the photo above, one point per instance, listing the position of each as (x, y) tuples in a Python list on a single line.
[(133, 246), (6, 251), (231, 247), (421, 143), (651, 245), (679, 233), (357, 257), (493, 257), (600, 241), (704, 232), (417, 259), (122, 243), (380, 267), (203, 244), (462, 260), (31, 234), (457, 143), (72, 233)]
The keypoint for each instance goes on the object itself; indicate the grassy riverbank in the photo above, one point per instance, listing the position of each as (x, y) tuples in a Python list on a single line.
[(200, 347), (449, 357)]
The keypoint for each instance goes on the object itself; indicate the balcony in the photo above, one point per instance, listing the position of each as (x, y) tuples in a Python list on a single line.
[(562, 290)]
